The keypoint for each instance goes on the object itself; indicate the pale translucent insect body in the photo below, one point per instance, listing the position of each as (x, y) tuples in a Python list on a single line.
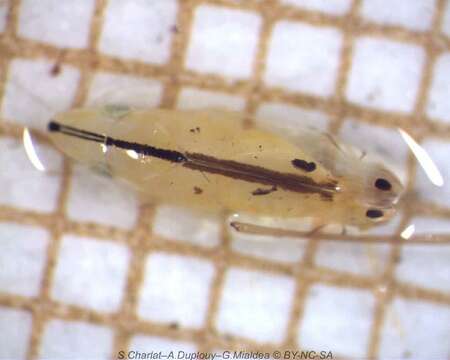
[(209, 159)]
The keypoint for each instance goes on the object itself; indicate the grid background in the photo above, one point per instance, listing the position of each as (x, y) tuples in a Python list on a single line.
[(220, 262)]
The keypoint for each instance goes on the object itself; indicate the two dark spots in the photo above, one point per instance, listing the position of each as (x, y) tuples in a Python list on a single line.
[(383, 185)]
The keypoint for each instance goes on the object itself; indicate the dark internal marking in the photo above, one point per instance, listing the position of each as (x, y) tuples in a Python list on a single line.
[(374, 213), (211, 165), (197, 190), (304, 165), (169, 155), (260, 191), (383, 184), (260, 175), (195, 130)]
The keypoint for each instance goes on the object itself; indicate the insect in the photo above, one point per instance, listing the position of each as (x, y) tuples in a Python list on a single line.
[(210, 160)]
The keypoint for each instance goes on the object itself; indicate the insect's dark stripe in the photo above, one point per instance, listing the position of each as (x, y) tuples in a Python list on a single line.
[(258, 174), (210, 164), (169, 155), (53, 126), (164, 154)]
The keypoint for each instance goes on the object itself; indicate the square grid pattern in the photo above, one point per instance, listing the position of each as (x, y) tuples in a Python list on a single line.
[(362, 67)]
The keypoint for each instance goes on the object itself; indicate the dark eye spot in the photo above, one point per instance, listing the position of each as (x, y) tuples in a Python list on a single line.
[(374, 213), (383, 184)]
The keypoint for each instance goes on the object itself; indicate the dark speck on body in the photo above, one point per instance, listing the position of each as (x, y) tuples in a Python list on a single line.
[(304, 165), (260, 191)]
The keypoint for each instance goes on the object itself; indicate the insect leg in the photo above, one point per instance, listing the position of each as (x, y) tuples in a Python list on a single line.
[(247, 228)]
